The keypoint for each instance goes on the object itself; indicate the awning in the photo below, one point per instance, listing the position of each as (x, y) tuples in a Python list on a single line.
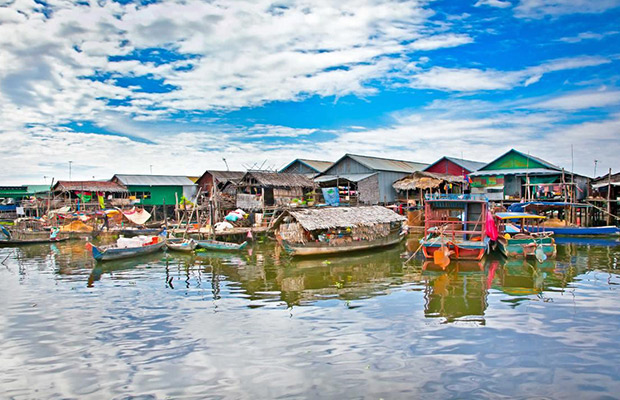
[(541, 180), (604, 184), (517, 215)]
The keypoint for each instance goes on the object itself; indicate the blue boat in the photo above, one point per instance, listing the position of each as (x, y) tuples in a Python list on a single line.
[(113, 252)]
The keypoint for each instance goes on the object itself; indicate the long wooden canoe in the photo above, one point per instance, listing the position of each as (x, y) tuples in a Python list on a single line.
[(22, 242), (105, 253), (576, 230), (321, 248), (186, 245), (221, 246)]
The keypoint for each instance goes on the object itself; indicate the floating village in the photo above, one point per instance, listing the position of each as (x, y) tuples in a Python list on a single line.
[(514, 205)]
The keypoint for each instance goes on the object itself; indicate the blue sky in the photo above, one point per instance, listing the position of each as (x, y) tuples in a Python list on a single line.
[(118, 86)]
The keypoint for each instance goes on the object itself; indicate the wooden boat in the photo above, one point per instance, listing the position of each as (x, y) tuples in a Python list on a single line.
[(457, 223), (185, 245), (326, 231), (22, 242), (221, 246), (315, 249), (524, 243), (113, 252)]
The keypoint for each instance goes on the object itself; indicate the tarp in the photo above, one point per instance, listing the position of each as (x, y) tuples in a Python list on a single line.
[(138, 217), (542, 205), (331, 195), (76, 226)]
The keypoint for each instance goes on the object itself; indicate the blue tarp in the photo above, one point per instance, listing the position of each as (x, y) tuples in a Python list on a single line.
[(522, 207), (331, 195), (9, 207)]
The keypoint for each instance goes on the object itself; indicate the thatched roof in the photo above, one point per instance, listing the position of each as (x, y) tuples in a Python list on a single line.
[(343, 217), (90, 186), (424, 180), (275, 179)]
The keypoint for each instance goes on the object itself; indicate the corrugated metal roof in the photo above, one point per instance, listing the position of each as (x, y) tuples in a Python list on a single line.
[(386, 164), (153, 180), (226, 176), (520, 171), (317, 165), (276, 179), (467, 164), (348, 177)]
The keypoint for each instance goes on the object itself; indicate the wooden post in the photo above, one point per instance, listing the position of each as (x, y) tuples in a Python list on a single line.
[(176, 205), (165, 215), (609, 198)]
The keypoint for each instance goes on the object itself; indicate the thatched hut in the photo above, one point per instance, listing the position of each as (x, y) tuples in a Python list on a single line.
[(258, 189), (90, 194), (338, 229), (415, 185)]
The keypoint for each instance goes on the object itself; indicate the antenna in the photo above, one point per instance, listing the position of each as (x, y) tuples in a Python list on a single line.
[(223, 159), (595, 162)]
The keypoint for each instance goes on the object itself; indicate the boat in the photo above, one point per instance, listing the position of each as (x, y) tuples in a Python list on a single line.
[(457, 226), (520, 241), (563, 229), (27, 238), (128, 247), (221, 246), (336, 230), (179, 244), (21, 242)]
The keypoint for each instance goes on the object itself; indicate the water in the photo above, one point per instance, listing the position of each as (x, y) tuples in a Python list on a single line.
[(262, 326)]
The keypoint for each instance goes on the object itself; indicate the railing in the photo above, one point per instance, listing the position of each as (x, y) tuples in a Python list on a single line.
[(474, 197)]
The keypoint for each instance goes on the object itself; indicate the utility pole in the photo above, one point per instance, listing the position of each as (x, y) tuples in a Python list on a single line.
[(595, 162), (70, 169)]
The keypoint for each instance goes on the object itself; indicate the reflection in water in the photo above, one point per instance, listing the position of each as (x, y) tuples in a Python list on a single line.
[(260, 324)]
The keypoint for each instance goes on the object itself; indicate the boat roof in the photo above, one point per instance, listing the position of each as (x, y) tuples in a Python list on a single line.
[(517, 215)]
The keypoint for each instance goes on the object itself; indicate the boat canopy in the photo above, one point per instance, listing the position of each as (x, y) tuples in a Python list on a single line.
[(517, 215)]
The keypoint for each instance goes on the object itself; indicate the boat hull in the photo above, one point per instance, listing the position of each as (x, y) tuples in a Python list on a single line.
[(117, 253), (182, 245), (522, 248), (314, 249), (458, 251), (221, 246), (16, 242)]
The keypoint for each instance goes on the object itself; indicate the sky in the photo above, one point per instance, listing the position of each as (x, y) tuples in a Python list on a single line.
[(178, 87)]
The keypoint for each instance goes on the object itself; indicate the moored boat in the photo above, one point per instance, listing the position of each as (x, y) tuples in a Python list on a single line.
[(128, 247), (221, 246), (457, 226), (577, 230), (21, 242), (323, 231), (520, 241), (178, 244)]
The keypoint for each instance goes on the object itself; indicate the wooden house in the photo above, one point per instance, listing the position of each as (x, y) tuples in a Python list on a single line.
[(258, 190), (454, 166), (516, 175), (366, 180), (81, 195), (606, 196), (156, 190), (310, 168)]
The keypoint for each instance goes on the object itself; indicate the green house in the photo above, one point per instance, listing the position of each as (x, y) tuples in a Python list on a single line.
[(516, 175), (156, 190)]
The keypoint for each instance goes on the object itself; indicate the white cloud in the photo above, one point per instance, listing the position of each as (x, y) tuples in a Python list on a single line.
[(542, 8), (580, 101), (587, 36), (493, 3), (473, 79), (441, 41)]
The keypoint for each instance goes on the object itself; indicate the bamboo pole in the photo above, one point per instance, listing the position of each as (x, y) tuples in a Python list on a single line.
[(609, 198)]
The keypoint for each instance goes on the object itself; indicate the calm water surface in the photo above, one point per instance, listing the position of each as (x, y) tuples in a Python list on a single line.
[(258, 325)]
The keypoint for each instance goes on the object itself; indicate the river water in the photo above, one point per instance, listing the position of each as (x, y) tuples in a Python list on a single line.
[(259, 325)]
